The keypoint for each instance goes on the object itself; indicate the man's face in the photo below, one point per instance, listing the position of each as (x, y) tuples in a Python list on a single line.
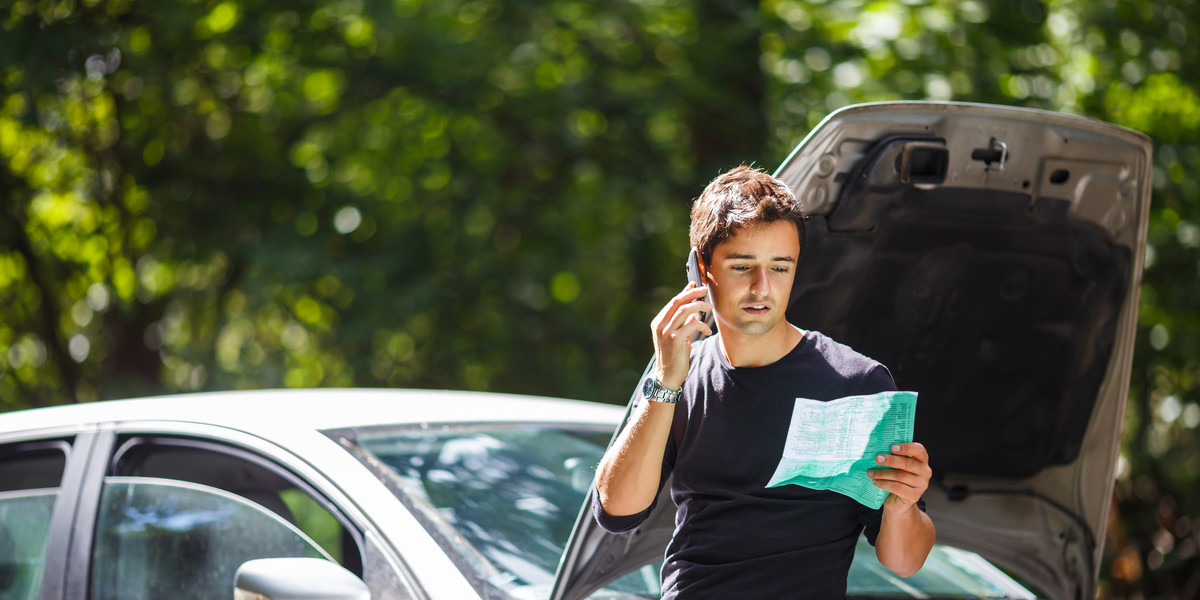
[(750, 277)]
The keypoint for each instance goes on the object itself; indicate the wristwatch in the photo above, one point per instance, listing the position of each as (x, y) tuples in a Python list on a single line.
[(654, 391)]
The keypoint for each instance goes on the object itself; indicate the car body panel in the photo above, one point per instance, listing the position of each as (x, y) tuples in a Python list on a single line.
[(991, 257)]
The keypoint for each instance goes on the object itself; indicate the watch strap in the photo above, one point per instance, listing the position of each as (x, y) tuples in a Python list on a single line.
[(654, 391)]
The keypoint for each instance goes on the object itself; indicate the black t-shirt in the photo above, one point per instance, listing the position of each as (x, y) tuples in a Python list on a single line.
[(735, 537)]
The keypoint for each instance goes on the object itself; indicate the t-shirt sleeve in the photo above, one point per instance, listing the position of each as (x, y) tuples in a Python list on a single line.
[(877, 380), (614, 523), (623, 523)]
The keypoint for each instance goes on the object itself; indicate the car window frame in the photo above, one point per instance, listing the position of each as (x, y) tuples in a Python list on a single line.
[(79, 524), (76, 446)]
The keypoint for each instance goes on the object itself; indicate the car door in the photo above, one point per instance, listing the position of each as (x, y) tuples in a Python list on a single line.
[(174, 513), (991, 257)]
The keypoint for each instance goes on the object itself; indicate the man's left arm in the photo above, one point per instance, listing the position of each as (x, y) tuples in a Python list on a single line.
[(906, 534)]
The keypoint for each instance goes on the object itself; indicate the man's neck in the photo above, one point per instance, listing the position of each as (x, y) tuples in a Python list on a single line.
[(760, 350)]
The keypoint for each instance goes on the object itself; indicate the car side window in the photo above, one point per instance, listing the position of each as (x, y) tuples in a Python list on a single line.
[(30, 475), (178, 517)]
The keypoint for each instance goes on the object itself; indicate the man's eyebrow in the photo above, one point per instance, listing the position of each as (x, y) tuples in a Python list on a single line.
[(752, 257)]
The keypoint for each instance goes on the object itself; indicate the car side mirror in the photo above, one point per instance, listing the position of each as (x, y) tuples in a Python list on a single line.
[(297, 579)]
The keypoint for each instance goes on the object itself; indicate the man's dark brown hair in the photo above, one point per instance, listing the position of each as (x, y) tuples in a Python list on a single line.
[(739, 198)]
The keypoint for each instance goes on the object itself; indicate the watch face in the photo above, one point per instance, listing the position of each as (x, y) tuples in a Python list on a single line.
[(647, 387)]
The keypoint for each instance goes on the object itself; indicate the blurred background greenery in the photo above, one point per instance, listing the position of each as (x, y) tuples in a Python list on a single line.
[(493, 195)]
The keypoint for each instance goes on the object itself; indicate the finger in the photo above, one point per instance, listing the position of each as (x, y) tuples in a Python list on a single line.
[(896, 461), (914, 449), (669, 306), (691, 328), (912, 480), (900, 461), (678, 314), (897, 487), (689, 294), (685, 313), (906, 493)]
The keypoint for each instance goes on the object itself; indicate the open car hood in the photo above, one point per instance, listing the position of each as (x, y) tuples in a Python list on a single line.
[(991, 257)]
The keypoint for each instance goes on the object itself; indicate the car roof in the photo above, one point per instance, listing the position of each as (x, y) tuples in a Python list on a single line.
[(318, 409)]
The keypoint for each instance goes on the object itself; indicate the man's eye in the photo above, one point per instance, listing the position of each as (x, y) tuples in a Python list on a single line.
[(740, 268), (781, 269)]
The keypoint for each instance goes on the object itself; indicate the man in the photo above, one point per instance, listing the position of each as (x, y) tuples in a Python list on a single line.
[(734, 537)]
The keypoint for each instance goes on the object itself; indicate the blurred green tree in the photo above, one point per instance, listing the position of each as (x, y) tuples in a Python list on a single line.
[(463, 194), (479, 194)]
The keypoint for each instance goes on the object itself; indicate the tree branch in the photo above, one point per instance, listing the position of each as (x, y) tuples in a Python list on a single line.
[(48, 310)]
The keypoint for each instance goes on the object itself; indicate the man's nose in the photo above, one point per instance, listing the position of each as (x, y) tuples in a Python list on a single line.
[(760, 285)]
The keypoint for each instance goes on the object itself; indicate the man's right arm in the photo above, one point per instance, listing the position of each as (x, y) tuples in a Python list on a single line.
[(628, 477)]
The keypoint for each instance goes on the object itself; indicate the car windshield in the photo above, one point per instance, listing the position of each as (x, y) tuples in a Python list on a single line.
[(503, 498)]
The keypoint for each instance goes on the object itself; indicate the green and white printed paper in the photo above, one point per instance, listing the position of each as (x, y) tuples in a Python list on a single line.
[(830, 445)]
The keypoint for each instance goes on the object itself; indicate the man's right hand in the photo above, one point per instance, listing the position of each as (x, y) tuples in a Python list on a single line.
[(673, 329)]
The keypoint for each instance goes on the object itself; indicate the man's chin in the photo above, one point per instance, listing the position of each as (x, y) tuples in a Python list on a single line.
[(755, 328)]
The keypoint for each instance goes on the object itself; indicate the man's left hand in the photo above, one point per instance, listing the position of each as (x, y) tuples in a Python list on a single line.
[(908, 477)]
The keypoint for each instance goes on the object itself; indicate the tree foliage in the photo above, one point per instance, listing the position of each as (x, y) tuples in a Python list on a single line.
[(476, 194)]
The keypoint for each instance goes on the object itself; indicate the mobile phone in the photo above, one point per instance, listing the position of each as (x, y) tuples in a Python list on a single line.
[(693, 273)]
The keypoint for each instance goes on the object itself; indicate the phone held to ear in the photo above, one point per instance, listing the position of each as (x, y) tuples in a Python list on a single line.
[(693, 273)]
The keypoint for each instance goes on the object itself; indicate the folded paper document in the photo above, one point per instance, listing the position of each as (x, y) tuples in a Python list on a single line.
[(830, 445)]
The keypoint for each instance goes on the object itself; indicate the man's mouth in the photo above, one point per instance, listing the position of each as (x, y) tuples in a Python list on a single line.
[(756, 309)]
